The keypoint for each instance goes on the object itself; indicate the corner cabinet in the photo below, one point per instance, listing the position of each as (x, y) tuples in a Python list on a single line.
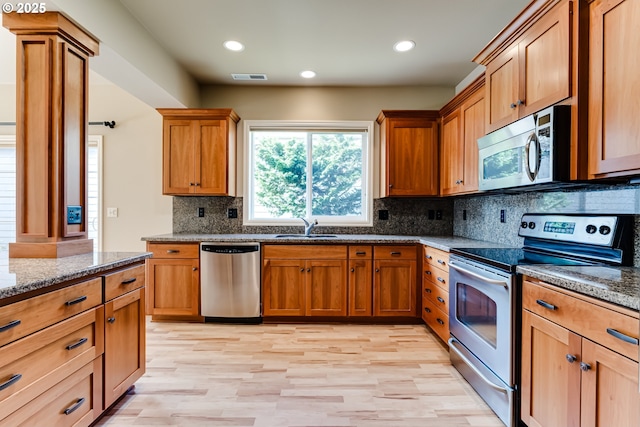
[(463, 122), (579, 360), (408, 153), (614, 88), (199, 151)]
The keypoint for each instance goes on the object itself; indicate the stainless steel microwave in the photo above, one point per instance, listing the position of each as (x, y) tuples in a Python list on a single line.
[(533, 150)]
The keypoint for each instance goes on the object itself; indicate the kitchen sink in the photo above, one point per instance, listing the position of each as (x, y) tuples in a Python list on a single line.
[(304, 236)]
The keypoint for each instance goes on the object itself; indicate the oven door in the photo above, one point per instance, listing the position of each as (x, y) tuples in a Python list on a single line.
[(482, 314)]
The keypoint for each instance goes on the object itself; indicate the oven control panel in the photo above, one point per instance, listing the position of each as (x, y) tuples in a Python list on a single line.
[(587, 229)]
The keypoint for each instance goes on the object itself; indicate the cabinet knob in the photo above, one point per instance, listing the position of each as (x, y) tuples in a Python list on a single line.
[(390, 185), (111, 319), (459, 181), (308, 270), (571, 358), (353, 270), (195, 268), (302, 270), (197, 184), (377, 270), (584, 366), (520, 102), (191, 184), (513, 105), (427, 272)]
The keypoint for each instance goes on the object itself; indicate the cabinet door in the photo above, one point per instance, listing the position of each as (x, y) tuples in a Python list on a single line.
[(124, 348), (609, 388), (550, 383), (178, 161), (502, 90), (360, 287), (326, 283), (545, 61), (394, 288), (283, 287), (174, 287), (473, 125), (412, 152), (614, 87), (452, 154), (211, 156)]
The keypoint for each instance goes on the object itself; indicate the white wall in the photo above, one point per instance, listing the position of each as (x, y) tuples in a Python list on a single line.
[(132, 168)]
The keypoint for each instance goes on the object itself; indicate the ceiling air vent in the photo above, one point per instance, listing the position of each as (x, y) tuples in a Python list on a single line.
[(249, 76)]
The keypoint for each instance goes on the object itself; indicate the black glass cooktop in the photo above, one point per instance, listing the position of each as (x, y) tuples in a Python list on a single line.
[(509, 258)]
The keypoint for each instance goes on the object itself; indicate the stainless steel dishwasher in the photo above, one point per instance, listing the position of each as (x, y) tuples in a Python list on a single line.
[(230, 282)]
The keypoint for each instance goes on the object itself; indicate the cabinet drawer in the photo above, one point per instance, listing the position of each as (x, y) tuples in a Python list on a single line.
[(360, 252), (43, 359), (436, 276), (394, 252), (437, 296), (123, 281), (436, 258), (76, 401), (22, 318), (436, 319), (174, 250), (582, 317), (305, 251)]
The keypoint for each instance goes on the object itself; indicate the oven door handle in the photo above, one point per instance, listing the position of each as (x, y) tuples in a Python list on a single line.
[(478, 276), (490, 383)]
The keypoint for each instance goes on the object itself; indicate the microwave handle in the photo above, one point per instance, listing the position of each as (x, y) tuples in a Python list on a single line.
[(532, 138)]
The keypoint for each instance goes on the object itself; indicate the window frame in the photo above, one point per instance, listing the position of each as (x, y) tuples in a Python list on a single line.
[(365, 220)]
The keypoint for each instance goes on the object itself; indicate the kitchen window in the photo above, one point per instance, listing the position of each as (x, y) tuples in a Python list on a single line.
[(8, 190), (313, 170)]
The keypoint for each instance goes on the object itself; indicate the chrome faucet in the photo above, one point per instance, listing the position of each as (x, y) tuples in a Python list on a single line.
[(308, 227)]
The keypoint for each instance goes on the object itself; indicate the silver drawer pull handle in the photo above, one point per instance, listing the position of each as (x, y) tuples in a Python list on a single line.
[(427, 310), (128, 281), (427, 272), (14, 379), (396, 253), (172, 251), (441, 262), (439, 320), (75, 406), (360, 253), (621, 336), (428, 256), (77, 344), (10, 325), (440, 279), (440, 299)]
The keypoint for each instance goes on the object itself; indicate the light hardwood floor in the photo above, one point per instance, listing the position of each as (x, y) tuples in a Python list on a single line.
[(298, 375)]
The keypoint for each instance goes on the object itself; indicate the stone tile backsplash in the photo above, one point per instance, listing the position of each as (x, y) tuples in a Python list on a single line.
[(407, 216)]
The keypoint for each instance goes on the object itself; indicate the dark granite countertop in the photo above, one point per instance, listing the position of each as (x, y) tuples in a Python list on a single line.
[(618, 285), (444, 243), (20, 275)]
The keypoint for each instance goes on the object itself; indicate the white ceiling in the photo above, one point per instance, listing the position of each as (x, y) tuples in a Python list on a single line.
[(346, 42)]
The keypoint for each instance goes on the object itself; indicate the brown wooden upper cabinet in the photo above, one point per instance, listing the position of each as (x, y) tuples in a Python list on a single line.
[(529, 67), (463, 121), (199, 151), (614, 88), (408, 153)]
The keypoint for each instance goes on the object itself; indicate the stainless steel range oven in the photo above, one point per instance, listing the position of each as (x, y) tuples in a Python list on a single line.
[(485, 301)]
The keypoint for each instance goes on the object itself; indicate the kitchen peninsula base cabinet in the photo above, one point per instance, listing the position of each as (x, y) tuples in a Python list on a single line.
[(349, 282), (174, 281), (579, 360), (61, 351)]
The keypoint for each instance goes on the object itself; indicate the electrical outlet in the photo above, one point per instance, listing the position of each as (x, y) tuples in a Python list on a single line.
[(502, 216), (112, 212), (74, 214), (232, 213), (431, 214), (383, 215), (200, 212), (464, 214), (438, 214)]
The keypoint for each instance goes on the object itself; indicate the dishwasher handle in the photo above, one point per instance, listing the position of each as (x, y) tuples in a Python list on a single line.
[(230, 249)]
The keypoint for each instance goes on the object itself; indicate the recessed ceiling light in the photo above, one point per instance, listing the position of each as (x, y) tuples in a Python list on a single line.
[(404, 45), (233, 45), (308, 74)]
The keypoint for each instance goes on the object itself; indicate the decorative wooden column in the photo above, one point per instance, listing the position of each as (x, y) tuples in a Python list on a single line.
[(51, 135)]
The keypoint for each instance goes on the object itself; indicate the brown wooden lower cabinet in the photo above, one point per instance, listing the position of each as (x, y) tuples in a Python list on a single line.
[(567, 378), (84, 356), (394, 280)]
